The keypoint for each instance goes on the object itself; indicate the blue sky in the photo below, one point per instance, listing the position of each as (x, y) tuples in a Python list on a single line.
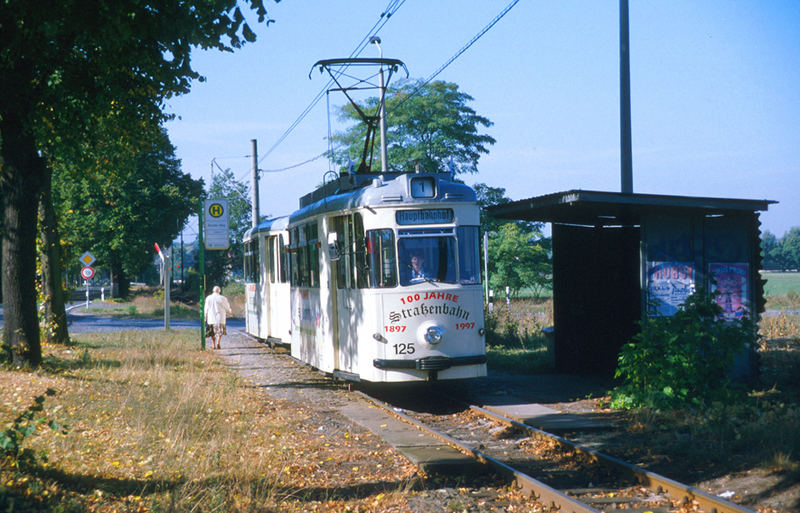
[(715, 94)]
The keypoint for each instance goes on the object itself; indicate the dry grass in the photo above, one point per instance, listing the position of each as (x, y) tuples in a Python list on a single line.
[(782, 326), (155, 424)]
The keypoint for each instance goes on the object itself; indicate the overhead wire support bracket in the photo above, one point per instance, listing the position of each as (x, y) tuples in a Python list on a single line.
[(336, 68)]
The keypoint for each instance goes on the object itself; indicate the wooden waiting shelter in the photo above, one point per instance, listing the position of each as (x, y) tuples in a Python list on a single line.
[(617, 255)]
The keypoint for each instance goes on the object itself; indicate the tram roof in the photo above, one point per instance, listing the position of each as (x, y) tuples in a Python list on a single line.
[(611, 208), (390, 189), (268, 225)]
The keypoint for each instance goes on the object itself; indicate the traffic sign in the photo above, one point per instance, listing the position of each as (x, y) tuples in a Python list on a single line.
[(216, 224), (87, 259), (87, 273)]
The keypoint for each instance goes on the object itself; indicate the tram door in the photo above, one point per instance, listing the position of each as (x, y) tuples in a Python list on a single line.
[(278, 309), (343, 282)]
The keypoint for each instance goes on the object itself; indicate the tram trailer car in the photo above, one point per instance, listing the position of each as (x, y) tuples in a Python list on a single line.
[(384, 275), (266, 281)]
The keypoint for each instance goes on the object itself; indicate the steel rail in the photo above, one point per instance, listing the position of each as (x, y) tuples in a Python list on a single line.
[(536, 489), (649, 480)]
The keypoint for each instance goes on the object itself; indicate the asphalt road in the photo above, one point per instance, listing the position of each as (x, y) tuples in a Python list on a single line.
[(91, 323)]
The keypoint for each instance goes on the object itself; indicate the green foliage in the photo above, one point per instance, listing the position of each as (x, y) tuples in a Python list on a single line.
[(783, 253), (682, 360), (517, 360), (489, 196), (519, 258), (25, 426), (64, 66), (430, 125), (123, 196)]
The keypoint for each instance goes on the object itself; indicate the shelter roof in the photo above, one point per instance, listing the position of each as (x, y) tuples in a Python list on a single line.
[(614, 208)]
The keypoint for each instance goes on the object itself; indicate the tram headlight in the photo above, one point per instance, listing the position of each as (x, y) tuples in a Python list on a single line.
[(433, 335)]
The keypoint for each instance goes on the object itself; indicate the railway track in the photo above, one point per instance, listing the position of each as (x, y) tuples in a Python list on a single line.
[(569, 477)]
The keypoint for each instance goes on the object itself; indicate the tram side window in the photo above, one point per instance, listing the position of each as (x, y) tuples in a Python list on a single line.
[(247, 261), (342, 266), (254, 261), (362, 269), (271, 262), (284, 261), (250, 262), (381, 262), (305, 256), (313, 254), (297, 267), (469, 263)]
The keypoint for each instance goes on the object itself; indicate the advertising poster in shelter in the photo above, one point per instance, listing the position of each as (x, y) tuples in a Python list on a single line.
[(668, 286), (729, 282)]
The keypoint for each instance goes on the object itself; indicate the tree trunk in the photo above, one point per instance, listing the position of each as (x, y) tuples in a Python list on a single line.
[(119, 277), (55, 316), (20, 182)]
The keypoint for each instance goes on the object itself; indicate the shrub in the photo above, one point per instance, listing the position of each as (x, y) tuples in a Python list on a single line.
[(24, 427), (681, 360)]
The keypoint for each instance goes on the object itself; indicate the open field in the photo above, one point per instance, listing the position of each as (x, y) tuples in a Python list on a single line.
[(782, 284)]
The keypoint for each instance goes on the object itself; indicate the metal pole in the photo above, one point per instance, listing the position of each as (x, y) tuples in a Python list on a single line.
[(201, 248), (183, 283), (254, 192), (486, 263), (382, 109), (167, 283), (626, 157)]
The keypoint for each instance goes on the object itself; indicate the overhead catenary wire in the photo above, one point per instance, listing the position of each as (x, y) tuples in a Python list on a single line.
[(391, 8), (419, 87), (458, 54)]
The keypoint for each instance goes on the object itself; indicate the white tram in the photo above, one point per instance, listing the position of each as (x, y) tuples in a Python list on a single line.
[(267, 281), (384, 279)]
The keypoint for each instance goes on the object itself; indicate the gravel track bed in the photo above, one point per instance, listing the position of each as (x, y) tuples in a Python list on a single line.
[(281, 377)]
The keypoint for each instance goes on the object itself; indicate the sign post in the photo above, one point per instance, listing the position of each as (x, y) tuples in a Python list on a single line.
[(201, 267), (216, 221), (165, 262), (87, 272)]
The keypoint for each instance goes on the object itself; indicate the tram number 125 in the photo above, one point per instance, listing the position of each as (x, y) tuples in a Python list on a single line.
[(404, 348)]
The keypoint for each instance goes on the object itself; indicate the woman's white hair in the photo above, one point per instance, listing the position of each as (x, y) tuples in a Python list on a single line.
[(217, 289)]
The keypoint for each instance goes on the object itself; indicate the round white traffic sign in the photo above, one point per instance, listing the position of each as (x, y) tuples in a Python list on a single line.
[(87, 273)]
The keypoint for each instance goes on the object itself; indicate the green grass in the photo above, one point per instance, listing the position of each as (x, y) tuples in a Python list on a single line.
[(780, 284), (519, 361)]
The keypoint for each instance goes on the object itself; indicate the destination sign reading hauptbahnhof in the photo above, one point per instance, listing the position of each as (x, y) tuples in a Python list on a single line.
[(424, 216)]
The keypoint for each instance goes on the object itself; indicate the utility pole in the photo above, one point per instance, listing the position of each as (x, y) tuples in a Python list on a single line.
[(254, 182), (626, 156)]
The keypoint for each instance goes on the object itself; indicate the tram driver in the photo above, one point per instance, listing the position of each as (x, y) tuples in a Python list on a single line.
[(416, 268)]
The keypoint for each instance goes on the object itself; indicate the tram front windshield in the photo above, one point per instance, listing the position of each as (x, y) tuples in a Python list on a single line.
[(428, 256)]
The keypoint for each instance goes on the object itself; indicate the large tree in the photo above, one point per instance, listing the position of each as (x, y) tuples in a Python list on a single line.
[(69, 60), (519, 255), (427, 124), (133, 195)]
